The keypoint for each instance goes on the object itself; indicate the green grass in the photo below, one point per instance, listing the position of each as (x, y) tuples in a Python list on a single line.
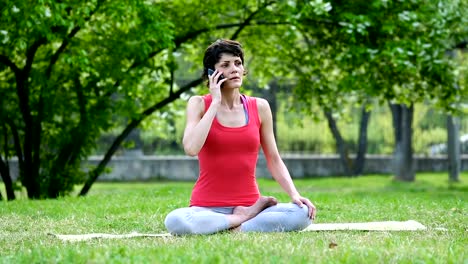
[(126, 207)]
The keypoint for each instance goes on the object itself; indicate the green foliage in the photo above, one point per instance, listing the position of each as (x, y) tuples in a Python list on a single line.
[(388, 50), (72, 70)]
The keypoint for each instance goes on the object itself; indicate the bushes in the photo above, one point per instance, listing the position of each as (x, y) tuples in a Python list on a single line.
[(307, 136)]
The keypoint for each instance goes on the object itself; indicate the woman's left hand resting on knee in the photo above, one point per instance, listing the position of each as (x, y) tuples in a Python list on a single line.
[(301, 201)]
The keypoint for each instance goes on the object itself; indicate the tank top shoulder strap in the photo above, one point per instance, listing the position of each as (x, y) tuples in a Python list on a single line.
[(253, 110)]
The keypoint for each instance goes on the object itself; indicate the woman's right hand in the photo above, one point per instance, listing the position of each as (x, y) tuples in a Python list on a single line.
[(215, 85)]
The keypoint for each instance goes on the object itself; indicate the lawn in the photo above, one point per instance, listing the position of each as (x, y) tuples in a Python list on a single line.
[(125, 207)]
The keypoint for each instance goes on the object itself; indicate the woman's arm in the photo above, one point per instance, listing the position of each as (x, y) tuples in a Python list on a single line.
[(275, 164), (198, 124)]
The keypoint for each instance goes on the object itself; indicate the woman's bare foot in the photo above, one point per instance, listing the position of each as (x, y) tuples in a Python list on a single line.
[(253, 210), (244, 213)]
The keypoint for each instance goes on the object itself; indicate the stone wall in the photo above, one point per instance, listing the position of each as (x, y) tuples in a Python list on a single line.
[(182, 168)]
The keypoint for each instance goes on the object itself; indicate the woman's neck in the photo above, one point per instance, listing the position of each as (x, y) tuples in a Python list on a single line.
[(230, 98)]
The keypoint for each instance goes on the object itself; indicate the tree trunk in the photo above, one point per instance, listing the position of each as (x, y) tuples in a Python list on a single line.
[(5, 169), (362, 142), (30, 170), (6, 177), (340, 145), (453, 135), (30, 176), (403, 154), (453, 148)]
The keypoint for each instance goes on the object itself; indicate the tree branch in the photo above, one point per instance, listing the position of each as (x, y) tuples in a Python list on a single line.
[(249, 19), (31, 52), (6, 61), (179, 40), (133, 124), (341, 146), (66, 41), (193, 34)]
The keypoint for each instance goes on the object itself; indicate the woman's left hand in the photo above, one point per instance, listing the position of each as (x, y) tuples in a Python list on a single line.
[(301, 201)]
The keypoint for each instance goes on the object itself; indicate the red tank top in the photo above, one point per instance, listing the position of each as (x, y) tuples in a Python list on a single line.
[(227, 162)]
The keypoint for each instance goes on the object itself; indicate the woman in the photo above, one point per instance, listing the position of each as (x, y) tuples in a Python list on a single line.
[(226, 129)]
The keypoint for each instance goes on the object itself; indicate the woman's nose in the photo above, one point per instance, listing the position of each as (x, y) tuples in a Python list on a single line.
[(235, 69)]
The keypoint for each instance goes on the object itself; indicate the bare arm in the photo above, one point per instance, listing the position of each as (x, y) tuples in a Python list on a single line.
[(198, 124), (275, 164)]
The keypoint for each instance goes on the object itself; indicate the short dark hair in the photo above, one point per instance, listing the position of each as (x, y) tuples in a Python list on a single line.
[(216, 49)]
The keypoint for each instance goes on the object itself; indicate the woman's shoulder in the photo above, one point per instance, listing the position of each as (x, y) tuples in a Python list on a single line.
[(196, 99), (200, 102), (262, 104)]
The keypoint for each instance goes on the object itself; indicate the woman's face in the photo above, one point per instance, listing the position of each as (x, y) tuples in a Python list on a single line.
[(232, 69)]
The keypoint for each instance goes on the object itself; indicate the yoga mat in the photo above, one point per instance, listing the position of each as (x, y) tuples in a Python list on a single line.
[(409, 225), (83, 237)]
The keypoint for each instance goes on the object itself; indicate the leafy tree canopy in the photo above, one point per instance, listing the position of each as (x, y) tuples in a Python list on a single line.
[(71, 70)]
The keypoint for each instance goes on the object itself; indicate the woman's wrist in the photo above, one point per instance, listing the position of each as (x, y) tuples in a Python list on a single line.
[(295, 195)]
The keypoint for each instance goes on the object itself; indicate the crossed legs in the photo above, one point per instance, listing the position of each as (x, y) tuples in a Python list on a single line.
[(266, 215)]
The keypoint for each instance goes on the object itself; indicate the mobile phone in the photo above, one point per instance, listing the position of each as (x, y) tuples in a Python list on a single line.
[(210, 72)]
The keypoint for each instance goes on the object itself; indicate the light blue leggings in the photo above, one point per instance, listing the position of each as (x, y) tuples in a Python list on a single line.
[(282, 217)]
